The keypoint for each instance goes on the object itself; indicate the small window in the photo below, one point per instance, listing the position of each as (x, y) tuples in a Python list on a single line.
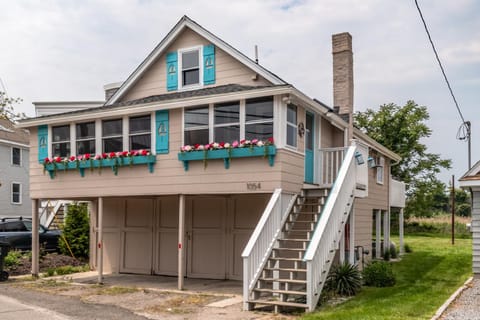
[(196, 126), (61, 141), (85, 138), (16, 156), (112, 135), (15, 226), (380, 169), (226, 122), (190, 67), (16, 193), (292, 125), (259, 118), (140, 133)]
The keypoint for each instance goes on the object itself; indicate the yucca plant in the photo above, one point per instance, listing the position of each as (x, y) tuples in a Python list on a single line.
[(344, 279)]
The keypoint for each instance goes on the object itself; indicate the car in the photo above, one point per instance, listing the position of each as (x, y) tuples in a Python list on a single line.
[(17, 232)]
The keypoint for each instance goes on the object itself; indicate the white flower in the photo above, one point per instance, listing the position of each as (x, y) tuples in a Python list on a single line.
[(260, 143), (226, 145)]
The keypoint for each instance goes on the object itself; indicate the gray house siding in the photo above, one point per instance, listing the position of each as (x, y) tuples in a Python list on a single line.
[(10, 173)]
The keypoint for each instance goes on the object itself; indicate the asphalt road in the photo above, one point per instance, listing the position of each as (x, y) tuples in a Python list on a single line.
[(17, 303)]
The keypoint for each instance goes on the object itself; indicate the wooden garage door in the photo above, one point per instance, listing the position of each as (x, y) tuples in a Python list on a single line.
[(166, 236), (136, 236)]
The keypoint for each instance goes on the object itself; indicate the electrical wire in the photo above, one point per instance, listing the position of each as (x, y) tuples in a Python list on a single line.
[(464, 130)]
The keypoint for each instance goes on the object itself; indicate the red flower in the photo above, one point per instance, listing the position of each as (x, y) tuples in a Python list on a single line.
[(270, 140), (134, 153), (222, 144), (58, 159), (124, 153), (104, 155), (86, 156), (144, 152), (112, 155), (72, 158), (47, 160)]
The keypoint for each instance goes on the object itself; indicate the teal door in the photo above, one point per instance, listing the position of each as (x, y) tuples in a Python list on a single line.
[(309, 147)]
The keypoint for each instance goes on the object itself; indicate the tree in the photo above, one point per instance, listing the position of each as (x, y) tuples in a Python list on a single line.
[(76, 231), (401, 129), (6, 107)]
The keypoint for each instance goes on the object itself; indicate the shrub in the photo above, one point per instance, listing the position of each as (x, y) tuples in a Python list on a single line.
[(76, 231), (393, 252), (407, 248), (386, 254), (378, 274), (12, 259), (344, 279)]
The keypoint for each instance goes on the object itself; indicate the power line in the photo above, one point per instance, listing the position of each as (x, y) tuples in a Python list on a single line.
[(439, 62)]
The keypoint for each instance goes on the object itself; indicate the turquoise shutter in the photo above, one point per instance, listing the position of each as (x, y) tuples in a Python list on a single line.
[(42, 142), (172, 71), (161, 127), (209, 64)]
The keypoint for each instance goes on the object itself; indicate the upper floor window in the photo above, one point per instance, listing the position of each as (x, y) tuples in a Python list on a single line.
[(16, 193), (227, 122), (190, 67), (85, 133), (292, 125), (112, 135), (196, 126), (259, 118), (16, 156), (61, 141), (140, 133)]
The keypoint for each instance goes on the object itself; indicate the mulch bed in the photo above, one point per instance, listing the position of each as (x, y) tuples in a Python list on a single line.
[(50, 260)]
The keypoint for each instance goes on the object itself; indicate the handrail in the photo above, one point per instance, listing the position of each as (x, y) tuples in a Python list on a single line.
[(262, 240), (330, 161), (339, 204)]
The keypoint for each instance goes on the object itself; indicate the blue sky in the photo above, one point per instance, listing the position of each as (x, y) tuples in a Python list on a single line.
[(67, 50)]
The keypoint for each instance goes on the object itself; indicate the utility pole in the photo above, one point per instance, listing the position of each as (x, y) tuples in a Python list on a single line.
[(453, 209)]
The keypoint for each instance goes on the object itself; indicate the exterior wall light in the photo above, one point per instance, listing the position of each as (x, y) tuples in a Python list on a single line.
[(359, 158), (371, 162)]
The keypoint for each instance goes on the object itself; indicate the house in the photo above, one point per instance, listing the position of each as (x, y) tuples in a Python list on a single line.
[(14, 166), (288, 188), (471, 181)]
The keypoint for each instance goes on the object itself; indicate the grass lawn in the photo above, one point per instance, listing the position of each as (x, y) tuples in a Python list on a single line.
[(426, 278)]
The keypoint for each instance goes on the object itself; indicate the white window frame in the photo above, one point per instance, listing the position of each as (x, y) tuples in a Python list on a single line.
[(11, 157), (196, 128), (77, 139), (71, 140), (244, 117), (230, 124), (200, 68), (121, 135), (380, 174), (293, 125), (19, 193), (140, 133)]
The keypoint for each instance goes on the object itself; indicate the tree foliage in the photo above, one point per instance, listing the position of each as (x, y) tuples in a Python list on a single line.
[(402, 130), (6, 107), (76, 232)]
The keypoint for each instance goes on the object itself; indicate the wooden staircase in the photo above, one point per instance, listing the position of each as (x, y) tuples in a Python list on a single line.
[(282, 284)]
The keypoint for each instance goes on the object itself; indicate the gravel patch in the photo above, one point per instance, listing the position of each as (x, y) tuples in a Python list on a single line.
[(467, 305)]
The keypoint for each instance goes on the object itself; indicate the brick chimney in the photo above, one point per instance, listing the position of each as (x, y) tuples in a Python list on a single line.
[(343, 76)]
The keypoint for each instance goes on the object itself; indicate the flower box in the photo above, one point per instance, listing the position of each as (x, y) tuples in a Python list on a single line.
[(268, 152), (113, 163)]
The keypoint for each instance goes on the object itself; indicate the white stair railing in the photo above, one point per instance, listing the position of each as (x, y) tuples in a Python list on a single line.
[(260, 245), (330, 161), (49, 210), (328, 232)]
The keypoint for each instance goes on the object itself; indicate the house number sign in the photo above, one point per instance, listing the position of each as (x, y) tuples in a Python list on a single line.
[(254, 186)]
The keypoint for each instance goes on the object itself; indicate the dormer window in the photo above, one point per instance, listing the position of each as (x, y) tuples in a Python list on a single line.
[(190, 66)]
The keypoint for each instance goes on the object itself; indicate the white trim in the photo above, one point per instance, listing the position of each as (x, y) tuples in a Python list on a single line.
[(98, 136), (180, 53), (153, 134), (19, 195), (16, 144), (73, 138), (125, 132), (11, 156), (291, 124)]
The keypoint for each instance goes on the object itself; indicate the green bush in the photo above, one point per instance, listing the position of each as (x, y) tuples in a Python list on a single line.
[(393, 252), (437, 228), (386, 254), (407, 248), (344, 279), (76, 231), (378, 274), (12, 259)]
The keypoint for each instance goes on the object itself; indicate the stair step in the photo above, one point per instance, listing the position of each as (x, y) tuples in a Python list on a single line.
[(285, 259), (283, 280), (285, 269), (280, 303), (290, 249), (299, 293), (294, 239)]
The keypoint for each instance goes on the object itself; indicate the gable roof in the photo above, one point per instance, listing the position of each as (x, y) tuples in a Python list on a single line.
[(186, 22), (10, 134), (473, 173)]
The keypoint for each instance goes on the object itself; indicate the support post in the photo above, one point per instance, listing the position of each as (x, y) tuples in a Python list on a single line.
[(35, 239), (181, 232), (100, 241), (351, 256), (400, 230), (378, 234), (93, 214), (342, 247), (386, 240)]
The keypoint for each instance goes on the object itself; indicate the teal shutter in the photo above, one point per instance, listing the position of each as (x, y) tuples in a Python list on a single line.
[(209, 64), (42, 142), (161, 127), (172, 71)]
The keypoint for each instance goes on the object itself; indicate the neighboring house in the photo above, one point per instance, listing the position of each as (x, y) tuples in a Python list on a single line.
[(14, 177), (471, 181), (276, 213)]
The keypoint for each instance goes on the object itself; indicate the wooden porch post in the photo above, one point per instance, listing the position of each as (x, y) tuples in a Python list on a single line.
[(93, 214), (378, 234), (181, 232), (100, 240), (400, 231), (386, 240), (342, 246), (351, 255), (35, 240)]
